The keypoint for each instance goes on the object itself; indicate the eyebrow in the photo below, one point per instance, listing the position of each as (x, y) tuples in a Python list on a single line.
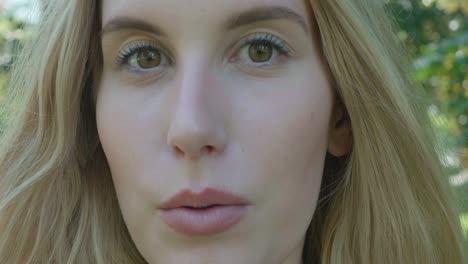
[(251, 16), (123, 23), (263, 14)]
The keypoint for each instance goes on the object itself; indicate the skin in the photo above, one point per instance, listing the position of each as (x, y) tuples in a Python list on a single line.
[(204, 120)]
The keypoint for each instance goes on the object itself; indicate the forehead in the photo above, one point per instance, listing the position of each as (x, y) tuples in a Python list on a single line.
[(191, 12)]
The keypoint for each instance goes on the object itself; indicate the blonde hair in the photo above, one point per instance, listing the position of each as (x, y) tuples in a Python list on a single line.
[(388, 201)]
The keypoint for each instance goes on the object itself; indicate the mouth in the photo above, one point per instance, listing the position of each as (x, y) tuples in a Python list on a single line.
[(209, 197), (208, 212), (203, 221)]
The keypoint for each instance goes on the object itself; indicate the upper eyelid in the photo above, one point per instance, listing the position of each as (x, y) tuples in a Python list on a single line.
[(266, 37), (134, 45)]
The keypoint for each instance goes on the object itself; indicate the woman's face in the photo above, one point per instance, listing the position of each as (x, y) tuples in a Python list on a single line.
[(203, 95)]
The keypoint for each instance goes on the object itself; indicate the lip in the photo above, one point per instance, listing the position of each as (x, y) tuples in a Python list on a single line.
[(207, 197), (185, 212)]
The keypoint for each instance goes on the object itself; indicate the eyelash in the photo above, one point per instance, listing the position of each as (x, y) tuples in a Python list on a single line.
[(276, 42), (255, 38), (135, 47)]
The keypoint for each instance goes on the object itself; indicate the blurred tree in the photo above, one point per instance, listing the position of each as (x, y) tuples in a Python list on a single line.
[(13, 33), (436, 34)]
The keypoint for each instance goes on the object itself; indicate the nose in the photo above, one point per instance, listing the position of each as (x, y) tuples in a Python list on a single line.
[(196, 126)]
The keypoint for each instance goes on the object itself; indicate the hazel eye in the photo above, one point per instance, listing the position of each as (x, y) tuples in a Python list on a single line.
[(260, 52), (146, 59), (143, 57)]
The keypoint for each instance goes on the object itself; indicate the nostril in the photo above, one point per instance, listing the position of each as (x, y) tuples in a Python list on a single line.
[(178, 150), (208, 149)]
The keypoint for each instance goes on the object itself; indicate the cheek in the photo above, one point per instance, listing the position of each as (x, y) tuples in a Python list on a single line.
[(117, 125), (286, 138), (126, 122), (121, 124), (287, 125), (113, 125)]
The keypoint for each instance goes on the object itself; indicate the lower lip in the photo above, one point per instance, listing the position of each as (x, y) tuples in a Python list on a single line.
[(203, 221)]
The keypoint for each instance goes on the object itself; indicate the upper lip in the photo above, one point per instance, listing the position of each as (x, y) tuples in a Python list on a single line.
[(207, 197)]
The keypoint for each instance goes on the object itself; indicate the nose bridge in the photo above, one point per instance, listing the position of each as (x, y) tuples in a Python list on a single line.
[(194, 130)]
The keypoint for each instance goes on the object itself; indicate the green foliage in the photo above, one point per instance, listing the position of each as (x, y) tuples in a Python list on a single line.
[(436, 35), (13, 33)]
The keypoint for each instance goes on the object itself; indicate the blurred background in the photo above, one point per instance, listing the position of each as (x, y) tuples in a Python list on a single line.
[(434, 31)]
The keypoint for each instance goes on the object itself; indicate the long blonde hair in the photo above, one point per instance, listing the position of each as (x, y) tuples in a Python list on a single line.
[(388, 201)]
